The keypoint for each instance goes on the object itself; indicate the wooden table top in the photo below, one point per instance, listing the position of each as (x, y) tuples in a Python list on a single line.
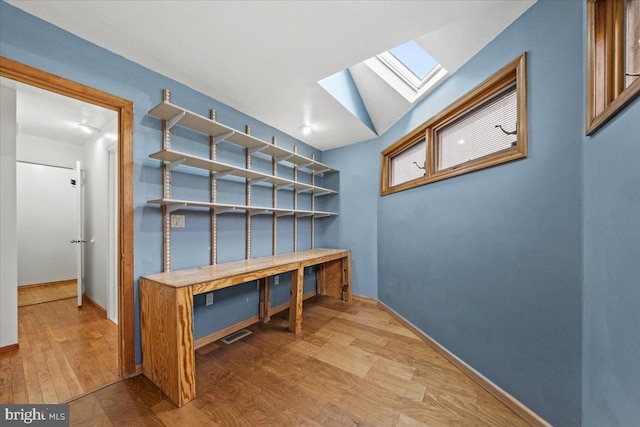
[(209, 273)]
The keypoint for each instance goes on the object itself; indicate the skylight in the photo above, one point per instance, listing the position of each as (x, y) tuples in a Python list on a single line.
[(415, 58), (407, 69), (407, 65)]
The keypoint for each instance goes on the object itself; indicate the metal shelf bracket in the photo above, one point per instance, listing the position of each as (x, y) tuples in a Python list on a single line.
[(175, 207), (219, 138), (283, 158), (174, 164), (174, 121), (223, 173)]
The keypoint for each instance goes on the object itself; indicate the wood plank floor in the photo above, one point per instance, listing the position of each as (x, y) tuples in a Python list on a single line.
[(64, 352), (36, 294), (352, 365)]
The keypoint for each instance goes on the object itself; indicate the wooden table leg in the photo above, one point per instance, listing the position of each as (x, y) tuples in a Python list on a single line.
[(168, 357), (265, 300), (346, 278), (295, 300)]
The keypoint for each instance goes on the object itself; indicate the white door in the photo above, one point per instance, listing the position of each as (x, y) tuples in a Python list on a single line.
[(79, 240)]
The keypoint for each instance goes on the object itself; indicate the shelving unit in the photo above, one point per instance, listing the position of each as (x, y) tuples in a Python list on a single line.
[(220, 208), (175, 159), (173, 115)]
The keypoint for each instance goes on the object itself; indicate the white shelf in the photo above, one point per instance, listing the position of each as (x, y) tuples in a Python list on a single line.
[(175, 158), (179, 116), (220, 208)]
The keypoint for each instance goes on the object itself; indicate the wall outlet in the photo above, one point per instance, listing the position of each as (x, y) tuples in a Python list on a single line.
[(177, 221), (276, 280), (209, 298), (308, 270)]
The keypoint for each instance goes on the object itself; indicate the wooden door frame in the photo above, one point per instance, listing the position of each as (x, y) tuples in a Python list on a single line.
[(32, 76)]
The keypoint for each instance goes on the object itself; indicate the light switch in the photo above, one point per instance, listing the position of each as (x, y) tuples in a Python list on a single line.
[(276, 280), (209, 298)]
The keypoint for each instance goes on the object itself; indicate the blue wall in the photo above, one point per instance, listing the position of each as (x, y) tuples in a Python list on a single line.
[(611, 343), (356, 226), (489, 264), (342, 87), (34, 42)]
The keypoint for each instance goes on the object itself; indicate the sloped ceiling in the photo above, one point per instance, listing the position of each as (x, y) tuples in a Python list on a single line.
[(265, 58)]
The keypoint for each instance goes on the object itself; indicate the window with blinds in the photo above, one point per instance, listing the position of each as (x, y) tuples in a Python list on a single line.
[(484, 128), (409, 164), (487, 129)]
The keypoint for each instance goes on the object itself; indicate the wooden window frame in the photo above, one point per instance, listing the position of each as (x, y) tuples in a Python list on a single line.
[(606, 50), (513, 73)]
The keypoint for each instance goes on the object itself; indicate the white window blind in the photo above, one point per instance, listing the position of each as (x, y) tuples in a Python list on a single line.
[(403, 168), (475, 134)]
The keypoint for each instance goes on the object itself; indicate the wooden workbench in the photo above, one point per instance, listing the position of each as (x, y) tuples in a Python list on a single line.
[(166, 301)]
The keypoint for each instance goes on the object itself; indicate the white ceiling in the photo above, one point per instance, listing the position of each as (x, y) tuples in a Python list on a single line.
[(265, 58), (55, 117)]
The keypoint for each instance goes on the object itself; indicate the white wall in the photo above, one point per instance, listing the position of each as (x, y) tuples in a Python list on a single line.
[(8, 239), (35, 149), (95, 162), (46, 223)]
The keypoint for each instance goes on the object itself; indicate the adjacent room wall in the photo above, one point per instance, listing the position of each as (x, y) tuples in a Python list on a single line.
[(45, 151), (8, 239), (46, 224), (95, 161), (46, 221)]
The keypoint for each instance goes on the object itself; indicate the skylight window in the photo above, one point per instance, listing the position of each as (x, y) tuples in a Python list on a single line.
[(408, 69), (415, 58)]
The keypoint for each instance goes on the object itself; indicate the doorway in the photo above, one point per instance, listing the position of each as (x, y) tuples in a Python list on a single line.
[(63, 148), (124, 229)]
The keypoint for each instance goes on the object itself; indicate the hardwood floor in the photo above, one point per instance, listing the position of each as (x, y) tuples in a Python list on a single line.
[(64, 352), (353, 364), (36, 294)]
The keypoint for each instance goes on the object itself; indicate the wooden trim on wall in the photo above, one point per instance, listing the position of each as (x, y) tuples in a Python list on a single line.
[(89, 301), (508, 400), (9, 348), (218, 335), (47, 284), (38, 78)]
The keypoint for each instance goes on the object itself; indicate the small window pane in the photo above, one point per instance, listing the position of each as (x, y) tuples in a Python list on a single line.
[(632, 65), (415, 58), (475, 134), (403, 168)]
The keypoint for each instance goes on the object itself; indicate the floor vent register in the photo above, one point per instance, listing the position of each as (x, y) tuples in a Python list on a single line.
[(236, 336)]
